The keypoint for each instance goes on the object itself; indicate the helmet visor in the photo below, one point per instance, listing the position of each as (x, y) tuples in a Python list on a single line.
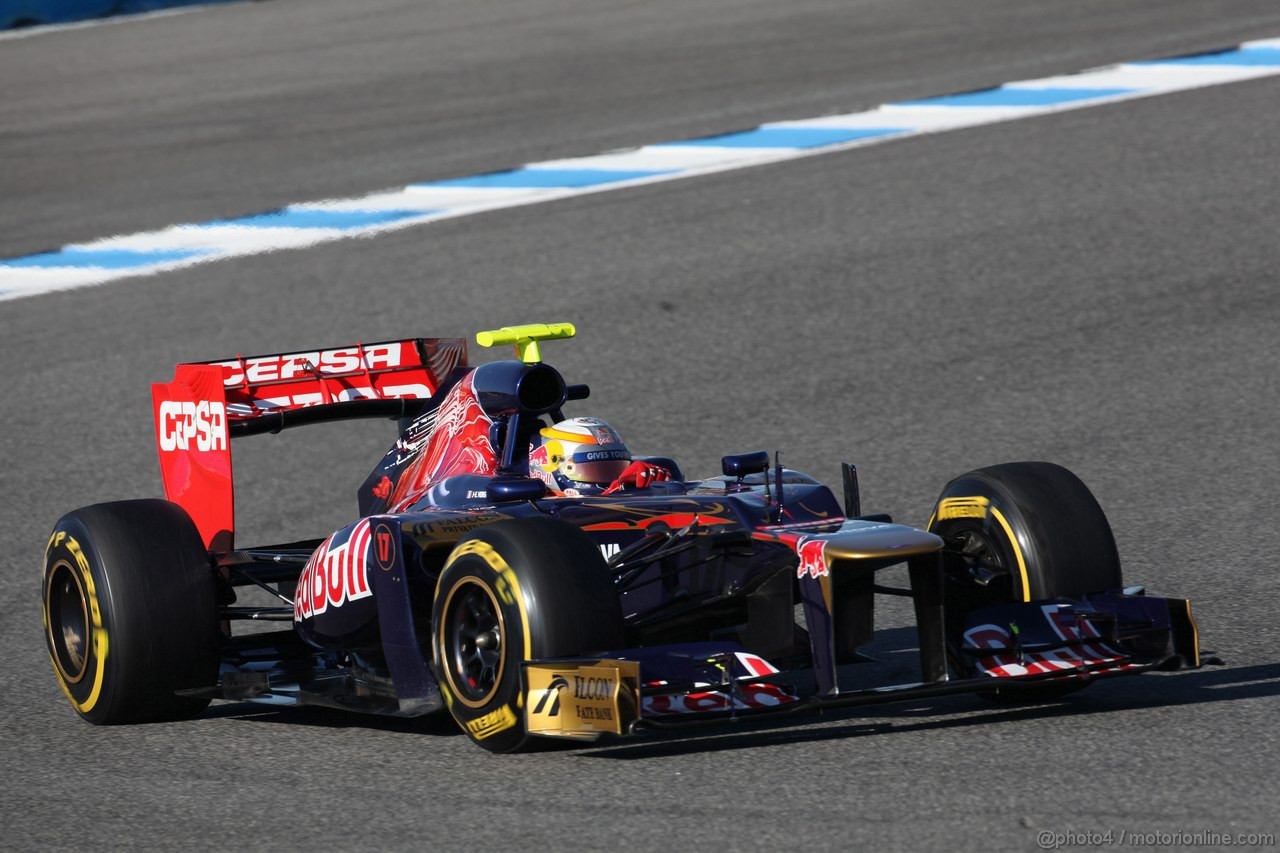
[(597, 465)]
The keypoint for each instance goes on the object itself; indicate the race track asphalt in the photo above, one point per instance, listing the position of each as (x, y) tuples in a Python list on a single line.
[(1096, 288)]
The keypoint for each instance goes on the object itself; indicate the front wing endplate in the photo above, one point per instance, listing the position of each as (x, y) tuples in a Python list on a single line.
[(581, 699)]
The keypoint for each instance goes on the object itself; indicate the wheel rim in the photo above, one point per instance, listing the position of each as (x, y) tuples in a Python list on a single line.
[(980, 555), (987, 575), (67, 622), (471, 642)]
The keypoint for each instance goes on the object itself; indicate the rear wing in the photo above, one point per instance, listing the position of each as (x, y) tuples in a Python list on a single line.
[(209, 403)]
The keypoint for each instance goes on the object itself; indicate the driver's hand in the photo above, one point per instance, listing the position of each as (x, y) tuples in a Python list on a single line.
[(639, 474)]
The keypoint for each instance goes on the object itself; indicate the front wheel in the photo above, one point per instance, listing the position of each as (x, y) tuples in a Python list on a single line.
[(130, 612), (513, 591), (1022, 531)]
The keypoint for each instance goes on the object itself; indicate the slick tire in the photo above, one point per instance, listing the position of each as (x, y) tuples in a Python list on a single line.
[(513, 591), (1022, 531), (130, 613)]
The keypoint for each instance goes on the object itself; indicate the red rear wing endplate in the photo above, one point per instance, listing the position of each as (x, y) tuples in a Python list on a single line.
[(207, 403)]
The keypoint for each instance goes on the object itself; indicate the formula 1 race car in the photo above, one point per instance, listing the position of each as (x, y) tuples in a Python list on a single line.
[(524, 572)]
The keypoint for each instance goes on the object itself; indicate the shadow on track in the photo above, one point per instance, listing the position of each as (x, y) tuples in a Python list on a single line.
[(437, 725), (1116, 695), (1203, 686)]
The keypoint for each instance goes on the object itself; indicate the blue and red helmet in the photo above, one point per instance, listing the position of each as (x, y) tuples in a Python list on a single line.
[(582, 454)]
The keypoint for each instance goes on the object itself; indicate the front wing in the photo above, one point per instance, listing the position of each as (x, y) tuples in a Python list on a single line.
[(1009, 646)]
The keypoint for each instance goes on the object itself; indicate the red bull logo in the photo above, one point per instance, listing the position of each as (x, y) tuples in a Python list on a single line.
[(813, 558), (335, 574), (541, 466), (538, 457)]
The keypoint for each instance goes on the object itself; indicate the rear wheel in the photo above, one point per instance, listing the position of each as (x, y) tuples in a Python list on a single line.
[(1022, 531), (129, 611), (513, 591)]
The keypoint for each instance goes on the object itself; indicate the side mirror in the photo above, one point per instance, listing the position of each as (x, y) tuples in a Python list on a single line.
[(511, 489), (741, 464)]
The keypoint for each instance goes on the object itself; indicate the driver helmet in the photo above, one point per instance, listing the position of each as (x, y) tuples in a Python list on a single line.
[(578, 456)]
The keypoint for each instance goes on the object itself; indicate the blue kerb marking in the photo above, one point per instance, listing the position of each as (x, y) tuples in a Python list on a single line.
[(103, 258), (545, 178), (1244, 56), (788, 137), (99, 262), (343, 220), (1008, 97)]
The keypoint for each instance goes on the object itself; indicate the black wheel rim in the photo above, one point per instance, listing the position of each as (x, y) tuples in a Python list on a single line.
[(473, 648), (985, 577), (67, 618), (979, 554)]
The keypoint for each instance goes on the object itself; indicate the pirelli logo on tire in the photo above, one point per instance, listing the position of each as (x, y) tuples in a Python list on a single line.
[(492, 723), (966, 507), (582, 699)]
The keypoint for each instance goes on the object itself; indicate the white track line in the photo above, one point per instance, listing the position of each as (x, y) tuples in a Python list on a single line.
[(311, 223)]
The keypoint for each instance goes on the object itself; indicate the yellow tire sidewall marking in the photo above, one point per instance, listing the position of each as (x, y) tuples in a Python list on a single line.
[(1017, 552), (496, 561), (960, 507), (48, 626), (100, 640), (977, 506), (507, 588)]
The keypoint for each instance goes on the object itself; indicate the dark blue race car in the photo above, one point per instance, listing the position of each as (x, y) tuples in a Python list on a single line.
[(522, 571)]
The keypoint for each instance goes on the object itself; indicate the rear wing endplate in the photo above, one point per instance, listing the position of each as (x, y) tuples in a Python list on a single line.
[(209, 403)]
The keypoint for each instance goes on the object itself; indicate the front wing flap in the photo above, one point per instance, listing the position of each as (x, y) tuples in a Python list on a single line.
[(1108, 631), (622, 692)]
